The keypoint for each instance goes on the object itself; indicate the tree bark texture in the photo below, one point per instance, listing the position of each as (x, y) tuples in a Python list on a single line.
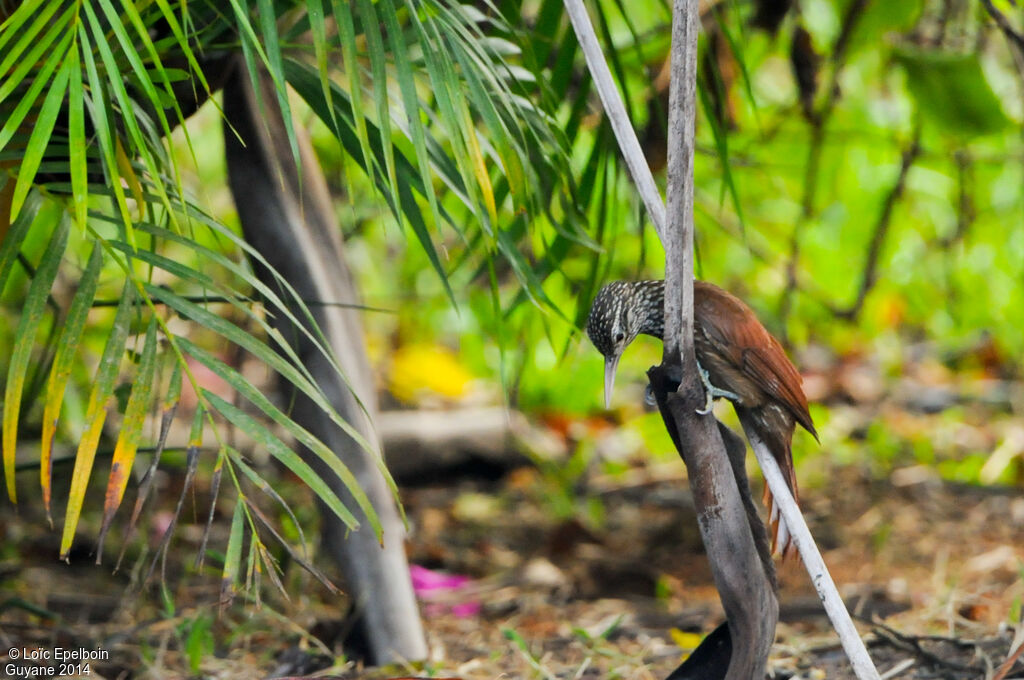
[(742, 572), (289, 220), (734, 536)]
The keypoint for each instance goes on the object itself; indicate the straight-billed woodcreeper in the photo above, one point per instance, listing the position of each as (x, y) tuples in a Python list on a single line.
[(737, 357)]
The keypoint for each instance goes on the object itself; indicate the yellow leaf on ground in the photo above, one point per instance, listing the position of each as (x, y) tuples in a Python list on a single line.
[(686, 641), (420, 370)]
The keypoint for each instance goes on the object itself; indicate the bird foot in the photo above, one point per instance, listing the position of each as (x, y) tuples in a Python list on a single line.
[(712, 392)]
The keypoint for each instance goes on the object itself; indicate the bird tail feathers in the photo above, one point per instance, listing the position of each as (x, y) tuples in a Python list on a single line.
[(774, 427)]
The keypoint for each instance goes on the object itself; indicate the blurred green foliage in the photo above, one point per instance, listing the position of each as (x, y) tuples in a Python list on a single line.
[(803, 209), (812, 194)]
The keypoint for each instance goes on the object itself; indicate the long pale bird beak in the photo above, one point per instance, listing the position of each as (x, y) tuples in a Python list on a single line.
[(610, 364)]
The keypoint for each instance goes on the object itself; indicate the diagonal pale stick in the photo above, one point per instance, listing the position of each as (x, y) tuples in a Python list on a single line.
[(617, 116), (1016, 649), (641, 173), (854, 647)]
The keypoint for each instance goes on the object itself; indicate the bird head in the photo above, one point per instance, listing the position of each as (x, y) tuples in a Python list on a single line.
[(615, 320)]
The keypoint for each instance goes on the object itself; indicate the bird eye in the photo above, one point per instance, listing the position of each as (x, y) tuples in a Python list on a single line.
[(620, 336)]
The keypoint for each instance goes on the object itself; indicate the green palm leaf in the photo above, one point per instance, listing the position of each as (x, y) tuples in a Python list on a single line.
[(96, 414), (31, 316), (60, 372), (428, 97)]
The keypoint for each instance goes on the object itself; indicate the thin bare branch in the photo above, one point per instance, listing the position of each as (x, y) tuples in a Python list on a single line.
[(744, 580), (729, 541), (869, 275), (1004, 25), (682, 117), (616, 112), (850, 639), (818, 120)]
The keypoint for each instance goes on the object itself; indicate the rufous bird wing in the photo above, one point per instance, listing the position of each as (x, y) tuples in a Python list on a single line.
[(771, 369), (734, 329)]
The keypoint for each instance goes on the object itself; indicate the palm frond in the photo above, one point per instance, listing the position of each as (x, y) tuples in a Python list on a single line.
[(435, 101)]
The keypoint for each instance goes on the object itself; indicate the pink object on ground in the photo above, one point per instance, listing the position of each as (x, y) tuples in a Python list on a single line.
[(439, 592)]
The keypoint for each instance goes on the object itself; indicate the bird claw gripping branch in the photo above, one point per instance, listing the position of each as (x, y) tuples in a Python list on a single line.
[(712, 392), (737, 357)]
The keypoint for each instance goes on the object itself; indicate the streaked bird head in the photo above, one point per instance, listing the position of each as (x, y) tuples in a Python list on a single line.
[(621, 311)]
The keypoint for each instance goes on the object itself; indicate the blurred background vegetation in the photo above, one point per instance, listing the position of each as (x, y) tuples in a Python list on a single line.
[(859, 182)]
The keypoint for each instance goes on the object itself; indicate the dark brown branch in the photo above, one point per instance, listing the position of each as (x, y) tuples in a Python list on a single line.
[(965, 215), (869, 275), (966, 211), (1005, 668), (738, 553), (913, 645), (1015, 39), (807, 208), (942, 23), (1004, 25), (850, 19), (818, 121)]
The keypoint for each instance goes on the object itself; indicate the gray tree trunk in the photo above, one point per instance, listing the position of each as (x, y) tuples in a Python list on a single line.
[(289, 219), (734, 536), (743, 574)]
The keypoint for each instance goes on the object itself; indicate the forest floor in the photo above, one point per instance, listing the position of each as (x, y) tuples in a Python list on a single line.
[(572, 569), (932, 570)]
